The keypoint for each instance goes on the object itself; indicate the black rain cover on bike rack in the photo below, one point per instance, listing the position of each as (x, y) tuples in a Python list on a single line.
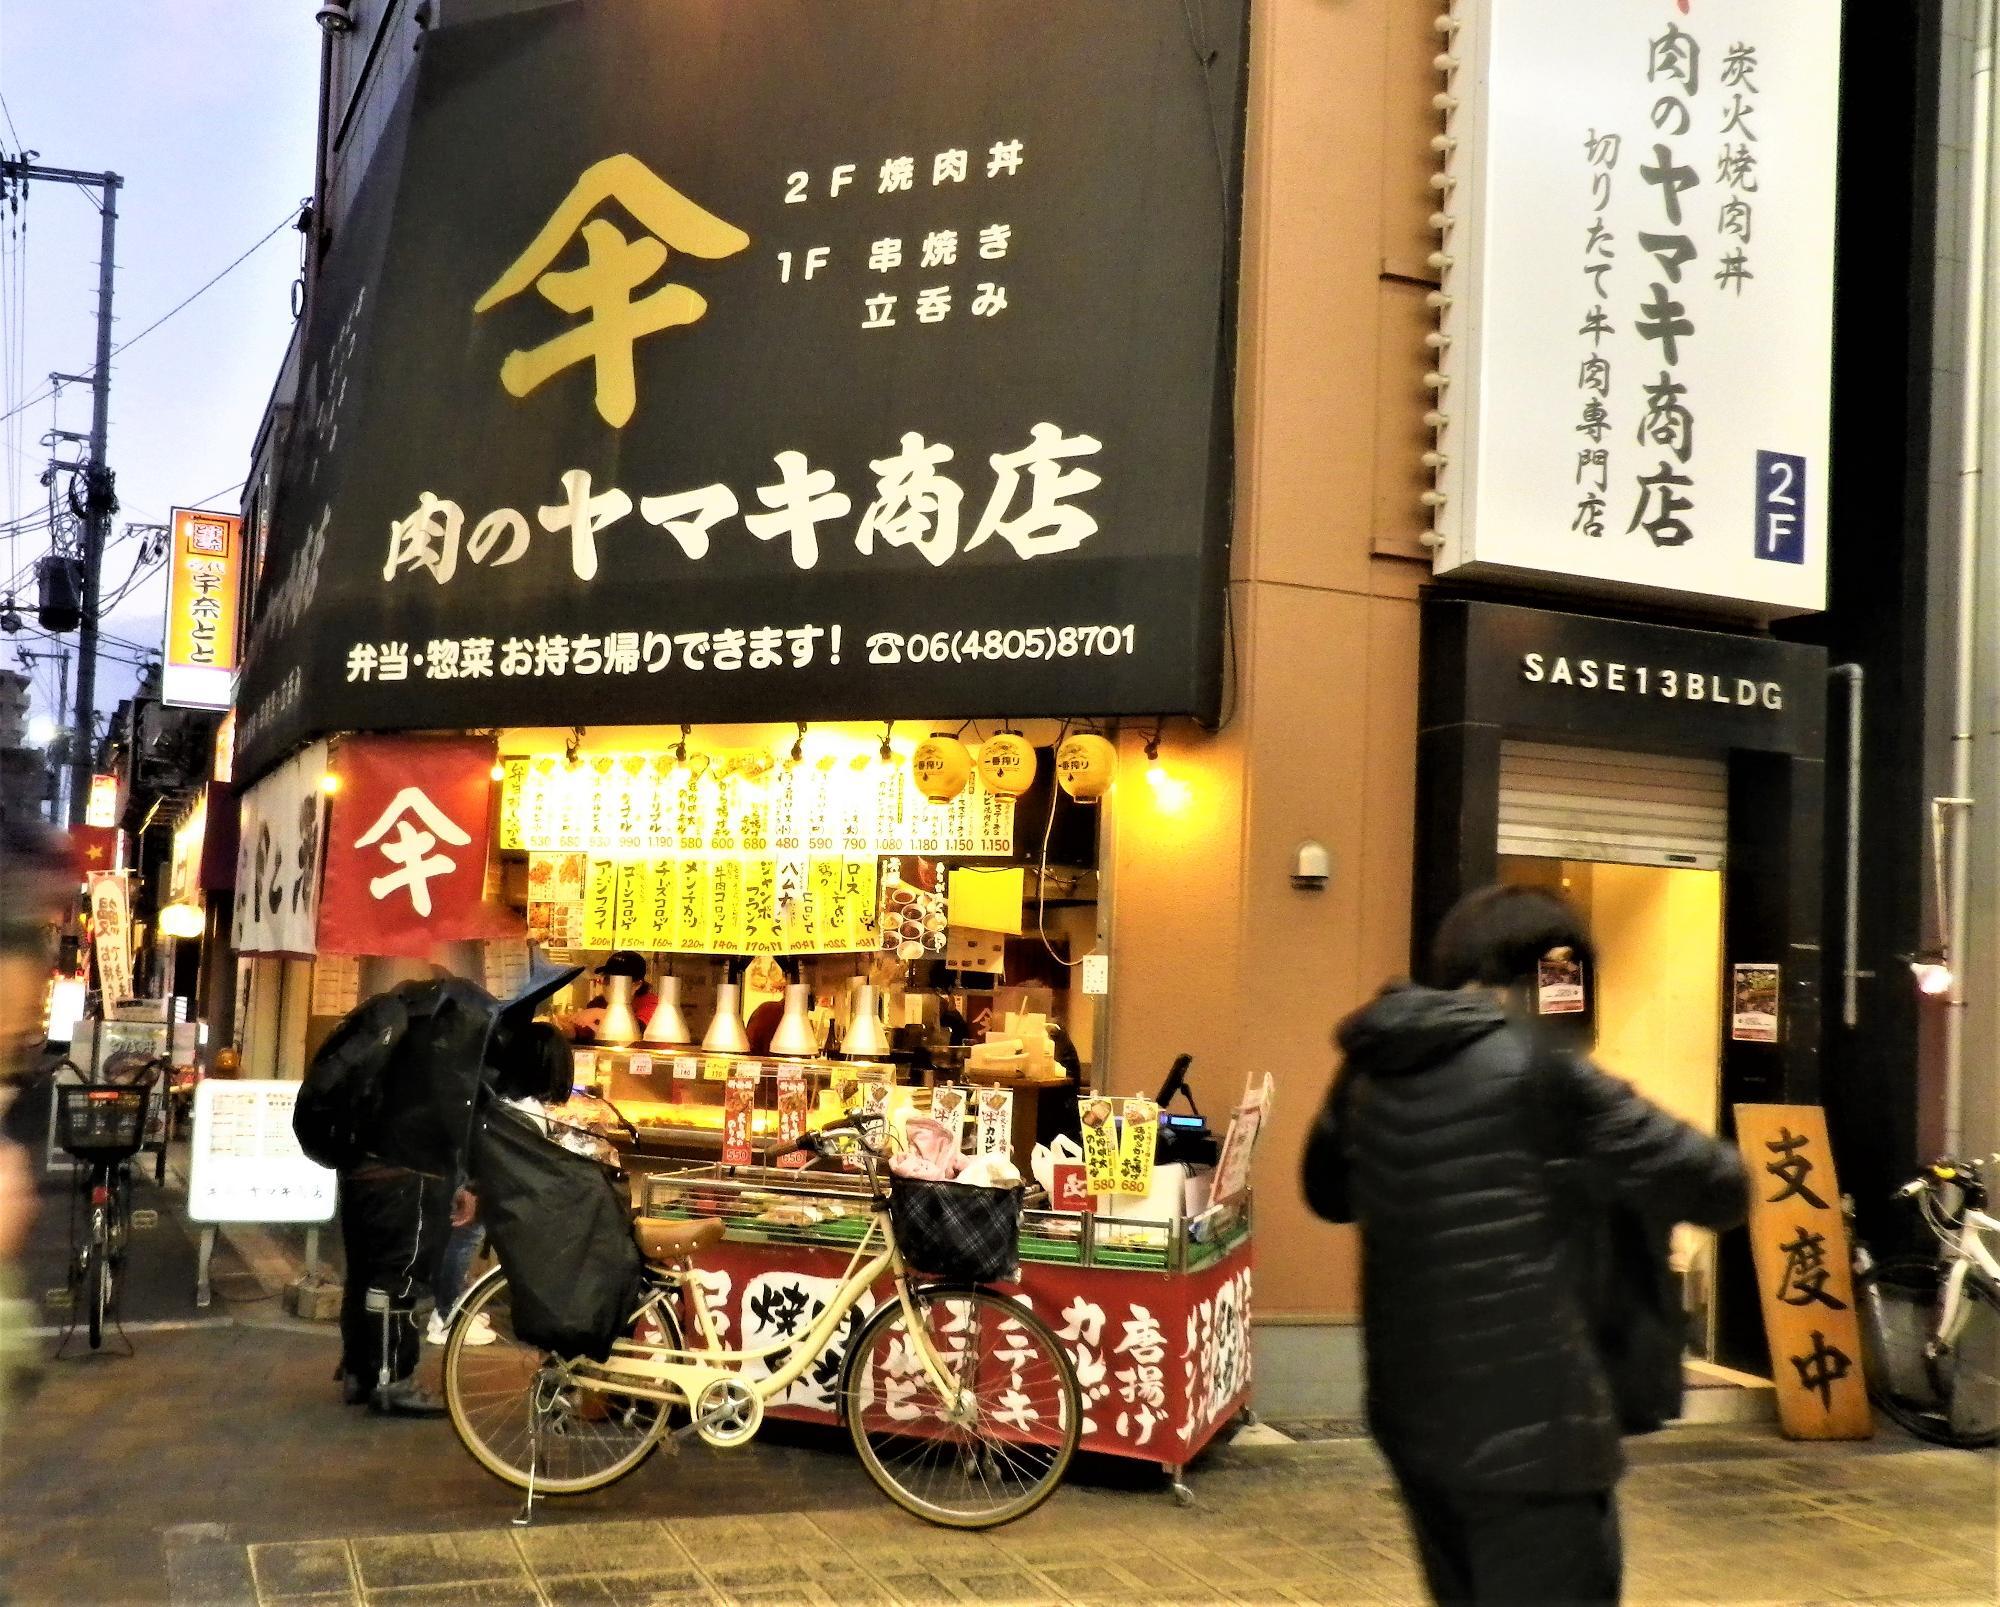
[(562, 1228)]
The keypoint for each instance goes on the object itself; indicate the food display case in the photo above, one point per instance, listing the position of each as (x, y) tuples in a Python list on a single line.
[(855, 919), (691, 1104), (1155, 1315)]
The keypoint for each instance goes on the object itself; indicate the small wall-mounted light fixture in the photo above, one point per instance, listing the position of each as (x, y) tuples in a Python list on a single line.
[(1170, 792), (335, 16), (1312, 867), (1932, 972)]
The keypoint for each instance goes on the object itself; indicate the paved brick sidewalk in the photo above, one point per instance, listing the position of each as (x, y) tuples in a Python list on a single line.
[(216, 1468), (1282, 1527)]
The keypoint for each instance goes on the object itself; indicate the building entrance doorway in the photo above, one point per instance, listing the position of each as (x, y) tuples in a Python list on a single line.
[(1657, 1008)]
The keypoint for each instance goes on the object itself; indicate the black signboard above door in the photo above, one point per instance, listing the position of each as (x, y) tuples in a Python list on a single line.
[(1559, 676), (761, 359)]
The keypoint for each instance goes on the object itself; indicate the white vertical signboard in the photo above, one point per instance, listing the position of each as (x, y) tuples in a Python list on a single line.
[(111, 920), (1639, 296)]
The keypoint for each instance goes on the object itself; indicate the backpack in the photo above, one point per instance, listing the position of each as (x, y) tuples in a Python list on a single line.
[(1616, 1259), (340, 1102)]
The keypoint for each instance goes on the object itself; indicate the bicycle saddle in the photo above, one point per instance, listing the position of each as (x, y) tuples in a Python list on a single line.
[(660, 1240)]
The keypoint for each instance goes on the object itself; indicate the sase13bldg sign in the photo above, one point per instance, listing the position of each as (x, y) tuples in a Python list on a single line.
[(738, 359), (1637, 298)]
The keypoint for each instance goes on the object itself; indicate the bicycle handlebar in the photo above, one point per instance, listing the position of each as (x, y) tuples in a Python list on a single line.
[(149, 1070), (810, 1143)]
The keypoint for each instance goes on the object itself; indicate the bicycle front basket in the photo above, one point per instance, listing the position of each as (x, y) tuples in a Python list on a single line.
[(99, 1124), (956, 1230)]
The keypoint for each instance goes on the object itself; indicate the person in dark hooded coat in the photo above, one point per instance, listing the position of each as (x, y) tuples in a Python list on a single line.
[(1486, 1392)]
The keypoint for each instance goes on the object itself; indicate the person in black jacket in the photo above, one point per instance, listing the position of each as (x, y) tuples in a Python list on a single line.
[(1486, 1390)]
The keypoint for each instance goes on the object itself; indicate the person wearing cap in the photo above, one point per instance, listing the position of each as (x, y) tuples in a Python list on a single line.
[(626, 962)]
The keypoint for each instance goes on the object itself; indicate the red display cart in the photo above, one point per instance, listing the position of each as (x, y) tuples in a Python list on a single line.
[(1155, 1316)]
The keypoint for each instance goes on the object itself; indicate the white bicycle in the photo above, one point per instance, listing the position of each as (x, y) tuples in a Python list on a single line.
[(963, 1405), (1931, 1324)]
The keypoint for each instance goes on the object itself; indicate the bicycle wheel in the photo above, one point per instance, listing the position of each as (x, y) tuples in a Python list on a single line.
[(1948, 1399), (518, 1408), (996, 1445), (97, 1277)]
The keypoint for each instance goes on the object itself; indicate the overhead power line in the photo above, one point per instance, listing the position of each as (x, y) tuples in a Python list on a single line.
[(276, 229), (202, 502), (181, 306)]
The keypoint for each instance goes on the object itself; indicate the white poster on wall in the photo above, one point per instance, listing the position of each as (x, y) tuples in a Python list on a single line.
[(279, 857), (1639, 298)]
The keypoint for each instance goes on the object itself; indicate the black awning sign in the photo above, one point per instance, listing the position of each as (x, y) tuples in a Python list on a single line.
[(755, 359)]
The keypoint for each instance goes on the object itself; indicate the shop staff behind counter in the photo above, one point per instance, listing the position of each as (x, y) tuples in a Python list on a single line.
[(1649, 680)]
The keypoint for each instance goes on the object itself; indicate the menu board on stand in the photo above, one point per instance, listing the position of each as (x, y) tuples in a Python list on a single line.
[(245, 1165)]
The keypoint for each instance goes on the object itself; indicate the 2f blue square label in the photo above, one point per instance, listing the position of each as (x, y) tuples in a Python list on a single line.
[(1781, 508)]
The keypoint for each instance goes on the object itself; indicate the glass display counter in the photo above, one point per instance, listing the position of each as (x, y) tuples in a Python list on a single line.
[(681, 1101)]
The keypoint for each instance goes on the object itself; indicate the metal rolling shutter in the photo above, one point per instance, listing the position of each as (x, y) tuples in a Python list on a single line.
[(1627, 808)]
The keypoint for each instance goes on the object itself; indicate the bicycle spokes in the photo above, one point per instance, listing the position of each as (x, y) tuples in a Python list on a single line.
[(967, 1417)]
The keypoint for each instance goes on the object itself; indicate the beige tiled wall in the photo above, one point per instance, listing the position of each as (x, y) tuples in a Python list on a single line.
[(1215, 952)]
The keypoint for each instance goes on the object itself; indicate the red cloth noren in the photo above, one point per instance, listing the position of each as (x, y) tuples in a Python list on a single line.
[(406, 847)]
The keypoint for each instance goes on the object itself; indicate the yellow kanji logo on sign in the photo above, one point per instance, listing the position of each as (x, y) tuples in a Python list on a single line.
[(602, 289)]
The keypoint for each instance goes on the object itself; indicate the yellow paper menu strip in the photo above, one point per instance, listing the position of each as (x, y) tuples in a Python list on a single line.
[(732, 934), (1100, 1143), (514, 774), (794, 903), (829, 912), (724, 904), (858, 887), (1139, 1127), (635, 906), (695, 927), (662, 892), (760, 907), (600, 905)]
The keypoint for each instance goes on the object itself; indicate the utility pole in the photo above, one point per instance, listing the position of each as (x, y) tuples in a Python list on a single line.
[(62, 701), (99, 502), (99, 505)]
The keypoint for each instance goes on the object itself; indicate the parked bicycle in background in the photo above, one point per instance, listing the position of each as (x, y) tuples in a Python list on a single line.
[(1930, 1324), (101, 1125)]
